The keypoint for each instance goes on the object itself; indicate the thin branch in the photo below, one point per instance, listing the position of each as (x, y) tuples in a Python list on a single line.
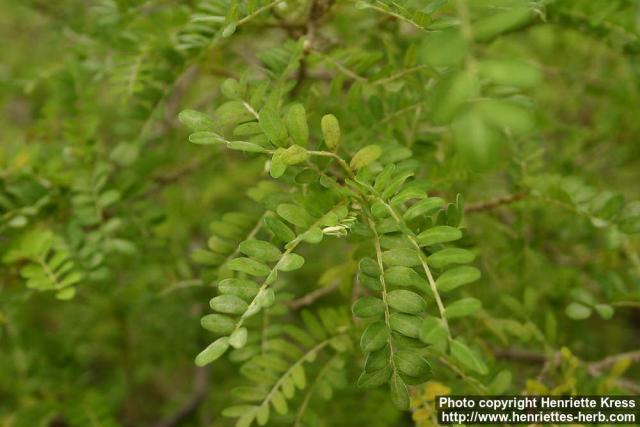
[(596, 367), (313, 296), (200, 385), (495, 203), (163, 181)]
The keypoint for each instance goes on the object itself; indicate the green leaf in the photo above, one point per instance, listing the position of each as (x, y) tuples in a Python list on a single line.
[(218, 323), (499, 22), (238, 338), (577, 311), (448, 256), (249, 147), (404, 276), (424, 207), (450, 94), (374, 337), (500, 383), (236, 411), (406, 301), (294, 155), (290, 262), (458, 276), (294, 214), (272, 125), (365, 156), (249, 266), (509, 72), (196, 120), (251, 394), (229, 30), (604, 310), (229, 304), (375, 378), (438, 234), (262, 415), (213, 351), (405, 324), (368, 307), (265, 298), (330, 131), (404, 257), (279, 229), (313, 235), (378, 359), (477, 140), (243, 288), (506, 116), (630, 225), (433, 332), (384, 177), (277, 166), (412, 364), (279, 403), (399, 393), (369, 266), (297, 124), (231, 89), (298, 376), (467, 357), (260, 250), (206, 138), (463, 307)]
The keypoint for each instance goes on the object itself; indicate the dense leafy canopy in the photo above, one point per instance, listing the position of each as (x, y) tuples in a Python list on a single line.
[(381, 199)]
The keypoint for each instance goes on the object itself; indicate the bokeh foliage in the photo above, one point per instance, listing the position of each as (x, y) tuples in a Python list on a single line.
[(380, 142)]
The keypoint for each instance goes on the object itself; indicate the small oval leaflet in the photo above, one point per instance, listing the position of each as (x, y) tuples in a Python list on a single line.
[(448, 256), (196, 120), (374, 337), (272, 125), (406, 301), (463, 307), (249, 147), (260, 250), (238, 338), (439, 234), (406, 324), (458, 276), (218, 323), (399, 392), (297, 124), (229, 304), (290, 262), (467, 357), (330, 131), (213, 351), (206, 138), (368, 306), (249, 266), (365, 156)]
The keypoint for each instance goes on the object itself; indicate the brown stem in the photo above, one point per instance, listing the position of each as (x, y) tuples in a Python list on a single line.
[(495, 203), (200, 385), (311, 297), (550, 362)]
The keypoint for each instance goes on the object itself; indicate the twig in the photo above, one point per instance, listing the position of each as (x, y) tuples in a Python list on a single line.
[(596, 367), (200, 385), (550, 362), (311, 297), (518, 354), (161, 182), (492, 204)]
